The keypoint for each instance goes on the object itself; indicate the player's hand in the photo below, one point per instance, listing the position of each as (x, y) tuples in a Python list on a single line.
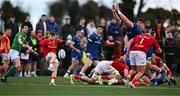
[(36, 53), (78, 51), (113, 8), (25, 46)]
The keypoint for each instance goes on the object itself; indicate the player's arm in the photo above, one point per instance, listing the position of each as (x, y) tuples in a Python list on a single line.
[(120, 16), (4, 41), (26, 46), (22, 44), (129, 44), (5, 48), (156, 46), (72, 47)]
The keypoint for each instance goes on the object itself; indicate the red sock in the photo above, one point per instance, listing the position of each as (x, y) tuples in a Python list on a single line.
[(131, 73), (169, 73), (105, 77), (51, 63), (134, 80), (77, 77), (53, 78)]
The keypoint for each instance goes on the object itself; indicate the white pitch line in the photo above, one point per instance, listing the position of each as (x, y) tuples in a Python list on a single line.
[(92, 86)]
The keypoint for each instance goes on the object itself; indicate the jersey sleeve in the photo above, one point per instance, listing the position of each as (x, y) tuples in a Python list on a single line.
[(4, 39), (43, 43), (59, 41), (155, 44), (90, 39)]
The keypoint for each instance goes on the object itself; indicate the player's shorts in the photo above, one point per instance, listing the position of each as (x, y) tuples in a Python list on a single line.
[(5, 56), (49, 56), (76, 56), (105, 67), (14, 54), (24, 62), (138, 58), (93, 56)]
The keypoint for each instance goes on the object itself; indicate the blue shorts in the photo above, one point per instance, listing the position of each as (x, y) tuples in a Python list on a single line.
[(76, 56), (94, 56)]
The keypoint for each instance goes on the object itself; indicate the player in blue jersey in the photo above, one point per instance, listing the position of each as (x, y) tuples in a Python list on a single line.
[(136, 28), (76, 53), (94, 48)]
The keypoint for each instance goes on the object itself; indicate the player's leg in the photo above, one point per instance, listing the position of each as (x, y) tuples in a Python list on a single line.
[(140, 61), (115, 76), (126, 72), (156, 68), (11, 70), (6, 58), (132, 72), (16, 59), (70, 69), (169, 74), (34, 67), (74, 61), (85, 78), (54, 73), (51, 57), (85, 67)]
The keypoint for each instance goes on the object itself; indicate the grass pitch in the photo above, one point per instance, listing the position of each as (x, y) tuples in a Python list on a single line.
[(39, 87)]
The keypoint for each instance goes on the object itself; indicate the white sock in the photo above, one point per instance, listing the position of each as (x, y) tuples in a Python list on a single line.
[(25, 73), (29, 72), (20, 74), (52, 80), (51, 65), (114, 81)]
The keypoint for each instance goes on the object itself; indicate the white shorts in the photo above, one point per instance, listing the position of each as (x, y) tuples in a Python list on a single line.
[(49, 55), (5, 56), (14, 54), (137, 58), (105, 67)]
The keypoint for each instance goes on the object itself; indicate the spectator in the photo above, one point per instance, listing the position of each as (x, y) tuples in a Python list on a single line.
[(170, 45), (81, 25), (42, 25), (1, 23), (114, 29), (14, 27), (104, 27), (112, 48), (67, 29), (34, 58), (52, 26), (148, 27), (160, 31), (28, 23), (91, 27)]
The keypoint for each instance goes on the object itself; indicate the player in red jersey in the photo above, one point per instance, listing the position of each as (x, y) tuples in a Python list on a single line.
[(4, 50), (139, 46), (121, 66), (158, 62), (50, 49), (101, 68)]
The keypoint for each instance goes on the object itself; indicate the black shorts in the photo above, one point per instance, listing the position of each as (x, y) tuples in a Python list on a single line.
[(24, 61), (34, 58)]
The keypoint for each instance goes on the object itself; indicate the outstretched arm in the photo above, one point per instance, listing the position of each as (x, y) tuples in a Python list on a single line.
[(120, 16)]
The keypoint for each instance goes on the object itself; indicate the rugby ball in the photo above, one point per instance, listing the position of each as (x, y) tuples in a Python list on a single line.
[(61, 54)]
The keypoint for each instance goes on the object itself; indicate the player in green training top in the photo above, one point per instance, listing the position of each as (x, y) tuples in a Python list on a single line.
[(19, 42)]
